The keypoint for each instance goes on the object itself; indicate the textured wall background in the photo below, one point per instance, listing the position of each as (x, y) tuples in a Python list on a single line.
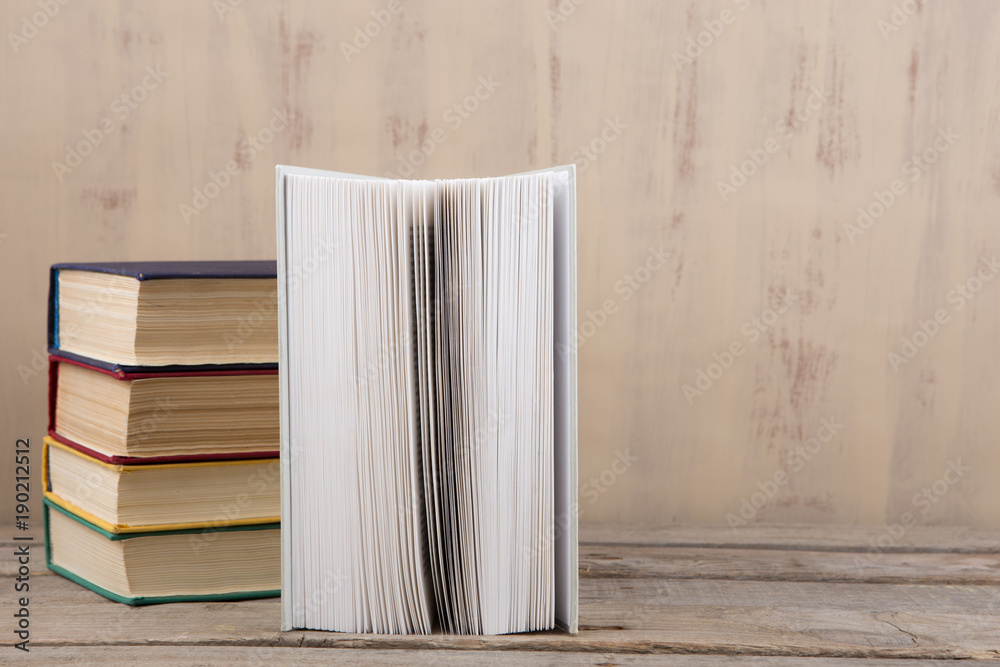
[(832, 99)]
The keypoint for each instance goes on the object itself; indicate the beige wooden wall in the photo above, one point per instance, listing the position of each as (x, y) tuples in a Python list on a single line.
[(668, 128)]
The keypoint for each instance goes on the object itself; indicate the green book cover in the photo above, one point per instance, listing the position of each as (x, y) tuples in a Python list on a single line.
[(50, 506)]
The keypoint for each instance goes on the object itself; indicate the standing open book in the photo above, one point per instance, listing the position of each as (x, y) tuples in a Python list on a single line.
[(428, 402)]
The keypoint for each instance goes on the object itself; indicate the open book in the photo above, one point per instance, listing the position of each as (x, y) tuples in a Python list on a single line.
[(428, 402)]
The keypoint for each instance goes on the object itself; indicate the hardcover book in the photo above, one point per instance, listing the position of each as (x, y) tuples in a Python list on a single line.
[(168, 496), (152, 414), (164, 313), (428, 402), (196, 564)]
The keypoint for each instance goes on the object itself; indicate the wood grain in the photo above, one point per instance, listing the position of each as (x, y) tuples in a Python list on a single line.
[(918, 539), (602, 562), (672, 130), (620, 616), (714, 602), (656, 562), (168, 656)]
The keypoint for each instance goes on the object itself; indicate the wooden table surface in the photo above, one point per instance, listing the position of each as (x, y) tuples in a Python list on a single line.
[(683, 595)]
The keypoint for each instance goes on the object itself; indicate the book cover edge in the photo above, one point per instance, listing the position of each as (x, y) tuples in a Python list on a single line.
[(49, 503), (255, 269), (155, 460), (121, 528), (140, 600), (130, 372), (284, 450)]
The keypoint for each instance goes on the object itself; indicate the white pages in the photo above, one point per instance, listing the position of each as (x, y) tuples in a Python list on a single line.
[(428, 403)]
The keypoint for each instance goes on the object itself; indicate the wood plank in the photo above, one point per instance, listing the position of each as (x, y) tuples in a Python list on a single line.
[(604, 561), (634, 599), (168, 656), (945, 539), (747, 565), (916, 565), (617, 615)]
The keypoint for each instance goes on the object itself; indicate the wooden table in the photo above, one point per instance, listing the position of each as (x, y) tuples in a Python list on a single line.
[(678, 595)]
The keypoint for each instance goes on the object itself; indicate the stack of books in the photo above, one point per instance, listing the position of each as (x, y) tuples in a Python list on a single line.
[(160, 468)]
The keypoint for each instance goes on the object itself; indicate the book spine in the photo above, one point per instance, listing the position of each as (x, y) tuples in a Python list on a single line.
[(283, 440), (53, 318)]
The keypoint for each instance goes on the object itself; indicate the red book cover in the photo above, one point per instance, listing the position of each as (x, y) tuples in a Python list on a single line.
[(138, 373)]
